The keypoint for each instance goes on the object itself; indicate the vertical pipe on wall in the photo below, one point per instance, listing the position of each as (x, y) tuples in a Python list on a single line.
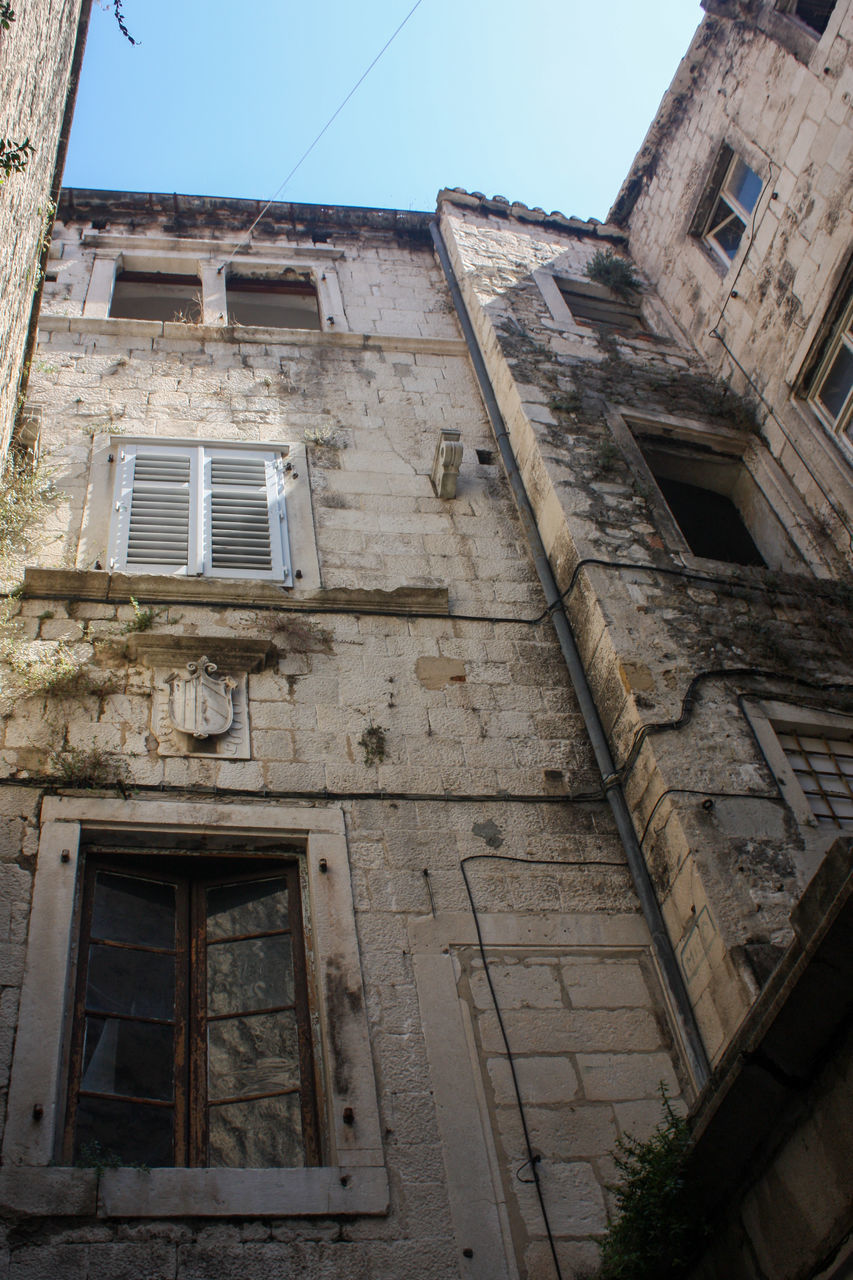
[(677, 991)]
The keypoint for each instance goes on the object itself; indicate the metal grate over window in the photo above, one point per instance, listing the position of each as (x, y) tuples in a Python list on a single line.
[(824, 769)]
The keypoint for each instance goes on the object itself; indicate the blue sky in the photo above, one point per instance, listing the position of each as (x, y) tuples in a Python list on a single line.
[(545, 102)]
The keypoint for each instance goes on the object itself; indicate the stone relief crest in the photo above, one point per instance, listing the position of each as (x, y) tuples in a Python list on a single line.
[(199, 702), (197, 712)]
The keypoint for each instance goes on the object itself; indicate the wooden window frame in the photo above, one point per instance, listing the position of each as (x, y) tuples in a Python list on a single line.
[(717, 192), (839, 335), (352, 1180), (191, 878)]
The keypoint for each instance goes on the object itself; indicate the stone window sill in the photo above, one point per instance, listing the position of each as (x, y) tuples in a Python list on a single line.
[(174, 1193)]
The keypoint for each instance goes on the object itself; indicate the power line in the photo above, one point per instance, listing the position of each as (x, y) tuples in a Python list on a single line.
[(325, 127)]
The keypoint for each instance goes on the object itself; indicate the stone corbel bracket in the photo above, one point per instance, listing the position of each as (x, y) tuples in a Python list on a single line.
[(446, 463), (228, 652)]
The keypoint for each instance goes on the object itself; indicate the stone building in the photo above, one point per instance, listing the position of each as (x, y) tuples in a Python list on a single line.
[(427, 717), (41, 49)]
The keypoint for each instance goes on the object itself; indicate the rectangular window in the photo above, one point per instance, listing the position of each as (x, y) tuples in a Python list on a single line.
[(814, 14), (728, 205), (829, 382), (810, 753), (200, 510), (191, 1043), (823, 768), (273, 303), (157, 295), (601, 308)]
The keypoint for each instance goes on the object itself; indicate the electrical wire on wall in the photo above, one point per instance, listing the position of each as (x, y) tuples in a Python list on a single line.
[(533, 1160)]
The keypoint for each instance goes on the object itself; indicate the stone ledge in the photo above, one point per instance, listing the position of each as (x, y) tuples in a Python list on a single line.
[(118, 588), (178, 1193), (111, 326)]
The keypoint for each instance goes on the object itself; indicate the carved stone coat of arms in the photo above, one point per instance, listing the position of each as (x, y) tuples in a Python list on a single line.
[(198, 712), (199, 701)]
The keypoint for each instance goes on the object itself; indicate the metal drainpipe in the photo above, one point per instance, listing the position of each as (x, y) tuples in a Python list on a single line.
[(691, 1037)]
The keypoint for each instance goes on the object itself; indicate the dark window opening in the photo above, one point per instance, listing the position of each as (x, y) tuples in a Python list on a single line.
[(191, 1043), (155, 295), (814, 13), (485, 457), (600, 311), (275, 304), (710, 522)]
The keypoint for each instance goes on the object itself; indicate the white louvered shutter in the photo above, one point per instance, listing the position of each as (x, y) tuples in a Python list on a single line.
[(156, 511), (244, 524)]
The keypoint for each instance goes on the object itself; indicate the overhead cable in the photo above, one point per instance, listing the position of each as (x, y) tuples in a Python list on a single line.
[(326, 126)]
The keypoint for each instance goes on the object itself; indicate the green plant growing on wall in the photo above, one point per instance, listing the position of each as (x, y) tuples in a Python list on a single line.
[(657, 1227), (144, 617), (372, 743), (14, 157), (7, 15), (93, 769), (27, 492), (615, 273), (43, 668)]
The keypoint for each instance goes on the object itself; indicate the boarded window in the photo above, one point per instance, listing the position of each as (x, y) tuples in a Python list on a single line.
[(153, 295), (275, 304), (191, 1043)]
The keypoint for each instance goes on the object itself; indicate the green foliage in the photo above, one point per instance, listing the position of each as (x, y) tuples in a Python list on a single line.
[(372, 743), (94, 769), (14, 157), (44, 668), (143, 618), (7, 15), (94, 1156), (616, 273), (657, 1227), (27, 492)]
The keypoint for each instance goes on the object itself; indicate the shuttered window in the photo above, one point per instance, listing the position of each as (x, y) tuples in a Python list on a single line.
[(200, 510)]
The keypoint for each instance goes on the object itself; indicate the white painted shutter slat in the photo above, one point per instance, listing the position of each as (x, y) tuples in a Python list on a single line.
[(242, 538), (159, 526)]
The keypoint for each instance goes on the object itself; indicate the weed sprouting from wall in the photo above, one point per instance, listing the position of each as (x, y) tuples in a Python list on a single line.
[(92, 769), (144, 617), (372, 743), (657, 1227), (27, 492), (615, 273)]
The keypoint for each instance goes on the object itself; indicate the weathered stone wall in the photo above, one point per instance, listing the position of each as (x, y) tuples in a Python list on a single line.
[(484, 746), (36, 54), (789, 118), (671, 646)]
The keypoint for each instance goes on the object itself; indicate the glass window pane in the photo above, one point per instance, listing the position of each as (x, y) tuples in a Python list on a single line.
[(838, 382), (138, 983), (114, 1133), (264, 1134), (726, 229), (254, 974), (252, 1055), (743, 184), (259, 906), (130, 1058), (127, 909)]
